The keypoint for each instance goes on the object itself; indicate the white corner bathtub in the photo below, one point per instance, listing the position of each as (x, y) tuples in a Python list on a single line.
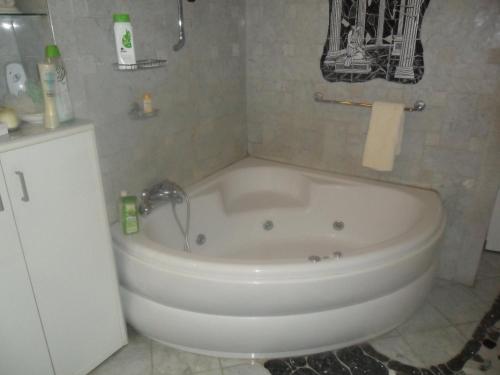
[(346, 260)]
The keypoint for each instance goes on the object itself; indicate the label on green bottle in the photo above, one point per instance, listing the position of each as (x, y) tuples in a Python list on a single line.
[(130, 219), (127, 39)]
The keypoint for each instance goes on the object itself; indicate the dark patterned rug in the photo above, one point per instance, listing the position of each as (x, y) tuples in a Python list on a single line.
[(477, 356)]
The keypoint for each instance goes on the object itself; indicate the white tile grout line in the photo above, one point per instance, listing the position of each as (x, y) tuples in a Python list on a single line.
[(472, 289), (462, 324), (450, 324), (422, 362), (435, 330)]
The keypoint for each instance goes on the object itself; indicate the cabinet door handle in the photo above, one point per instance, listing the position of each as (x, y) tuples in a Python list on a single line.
[(2, 208), (26, 196)]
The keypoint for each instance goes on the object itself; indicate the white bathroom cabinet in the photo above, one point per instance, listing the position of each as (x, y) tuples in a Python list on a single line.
[(60, 310)]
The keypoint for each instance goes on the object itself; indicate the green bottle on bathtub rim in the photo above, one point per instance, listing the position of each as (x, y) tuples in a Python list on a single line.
[(129, 215)]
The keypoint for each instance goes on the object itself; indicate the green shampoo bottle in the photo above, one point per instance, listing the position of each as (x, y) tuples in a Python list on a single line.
[(129, 216)]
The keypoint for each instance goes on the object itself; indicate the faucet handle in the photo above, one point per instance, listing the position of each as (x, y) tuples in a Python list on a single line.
[(145, 206), (145, 209)]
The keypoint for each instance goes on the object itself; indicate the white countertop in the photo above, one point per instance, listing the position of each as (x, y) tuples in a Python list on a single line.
[(31, 134)]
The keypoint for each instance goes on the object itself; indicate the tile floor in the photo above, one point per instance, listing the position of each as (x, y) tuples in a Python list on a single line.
[(434, 334)]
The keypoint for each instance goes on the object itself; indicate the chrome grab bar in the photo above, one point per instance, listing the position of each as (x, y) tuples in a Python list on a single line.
[(419, 105)]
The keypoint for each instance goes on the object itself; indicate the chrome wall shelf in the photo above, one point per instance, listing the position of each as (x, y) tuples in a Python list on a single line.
[(4, 14), (137, 113), (141, 65)]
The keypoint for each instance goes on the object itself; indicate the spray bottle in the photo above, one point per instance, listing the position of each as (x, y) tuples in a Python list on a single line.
[(48, 81), (63, 100)]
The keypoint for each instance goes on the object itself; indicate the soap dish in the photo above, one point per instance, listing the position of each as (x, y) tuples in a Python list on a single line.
[(137, 113)]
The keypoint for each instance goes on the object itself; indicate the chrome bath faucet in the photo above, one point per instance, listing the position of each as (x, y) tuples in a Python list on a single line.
[(165, 191)]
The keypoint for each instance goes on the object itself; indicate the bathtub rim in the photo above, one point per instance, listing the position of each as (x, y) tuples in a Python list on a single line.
[(428, 229), (200, 266)]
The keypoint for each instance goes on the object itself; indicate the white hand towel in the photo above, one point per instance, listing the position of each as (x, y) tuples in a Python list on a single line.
[(385, 135)]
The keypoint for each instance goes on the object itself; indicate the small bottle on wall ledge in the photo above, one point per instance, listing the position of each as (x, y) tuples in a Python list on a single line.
[(147, 103)]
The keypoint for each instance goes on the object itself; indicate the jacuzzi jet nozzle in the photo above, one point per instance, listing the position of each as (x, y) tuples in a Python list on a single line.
[(201, 239), (268, 225), (338, 225)]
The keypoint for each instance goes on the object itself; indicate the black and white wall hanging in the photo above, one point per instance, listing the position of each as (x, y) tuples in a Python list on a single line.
[(370, 39)]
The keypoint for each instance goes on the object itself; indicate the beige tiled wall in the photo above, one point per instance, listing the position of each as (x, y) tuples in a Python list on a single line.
[(200, 94), (264, 74), (453, 147)]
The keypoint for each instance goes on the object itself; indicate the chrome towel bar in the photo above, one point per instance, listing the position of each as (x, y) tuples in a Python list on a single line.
[(419, 105)]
